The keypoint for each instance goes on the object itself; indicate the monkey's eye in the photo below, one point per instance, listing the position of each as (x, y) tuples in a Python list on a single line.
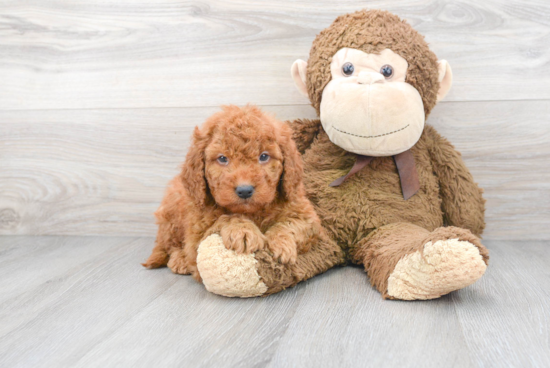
[(222, 160), (264, 157), (348, 69), (386, 71)]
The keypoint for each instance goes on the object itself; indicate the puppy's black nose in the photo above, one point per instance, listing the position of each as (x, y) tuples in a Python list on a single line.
[(244, 191)]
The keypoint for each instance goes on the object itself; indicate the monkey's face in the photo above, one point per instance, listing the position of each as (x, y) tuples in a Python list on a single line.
[(367, 107)]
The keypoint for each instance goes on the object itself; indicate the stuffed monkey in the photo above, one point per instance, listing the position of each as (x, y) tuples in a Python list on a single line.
[(393, 194)]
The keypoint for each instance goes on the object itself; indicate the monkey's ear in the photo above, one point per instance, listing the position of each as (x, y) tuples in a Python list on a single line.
[(298, 72), (445, 78)]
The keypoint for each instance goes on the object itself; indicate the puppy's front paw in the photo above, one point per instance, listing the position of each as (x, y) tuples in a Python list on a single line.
[(243, 237), (283, 247)]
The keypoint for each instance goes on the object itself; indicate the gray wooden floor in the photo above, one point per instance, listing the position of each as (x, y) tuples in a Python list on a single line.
[(86, 301)]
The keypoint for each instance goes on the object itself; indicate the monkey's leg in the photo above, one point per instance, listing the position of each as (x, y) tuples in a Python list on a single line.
[(227, 273), (407, 262)]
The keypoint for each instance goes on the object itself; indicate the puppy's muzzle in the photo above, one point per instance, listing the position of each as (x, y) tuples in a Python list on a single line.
[(244, 191)]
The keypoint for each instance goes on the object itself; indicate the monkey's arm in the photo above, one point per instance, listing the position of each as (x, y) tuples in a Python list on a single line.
[(463, 204), (304, 132)]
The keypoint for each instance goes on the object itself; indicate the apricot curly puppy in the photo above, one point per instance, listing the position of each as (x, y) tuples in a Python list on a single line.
[(242, 179)]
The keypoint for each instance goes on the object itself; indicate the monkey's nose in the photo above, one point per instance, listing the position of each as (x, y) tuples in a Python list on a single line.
[(370, 78), (244, 191)]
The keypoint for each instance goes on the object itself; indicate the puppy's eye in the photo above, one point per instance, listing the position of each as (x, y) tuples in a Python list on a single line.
[(386, 71), (348, 69), (222, 160), (264, 157)]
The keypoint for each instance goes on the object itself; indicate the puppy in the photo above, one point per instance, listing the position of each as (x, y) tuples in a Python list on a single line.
[(242, 179)]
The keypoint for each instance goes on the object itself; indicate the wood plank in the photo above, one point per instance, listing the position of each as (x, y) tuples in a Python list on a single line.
[(68, 313), (85, 172), (505, 146), (85, 310), (44, 270), (505, 317), (190, 327), (106, 310), (502, 320), (338, 323), (343, 322), (23, 266), (173, 53)]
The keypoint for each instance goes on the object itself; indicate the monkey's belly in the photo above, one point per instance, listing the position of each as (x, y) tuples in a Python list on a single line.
[(371, 198)]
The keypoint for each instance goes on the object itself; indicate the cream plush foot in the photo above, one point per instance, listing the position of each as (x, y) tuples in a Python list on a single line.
[(443, 266), (227, 273)]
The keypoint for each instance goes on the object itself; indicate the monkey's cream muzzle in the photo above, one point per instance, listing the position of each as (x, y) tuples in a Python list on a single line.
[(367, 115)]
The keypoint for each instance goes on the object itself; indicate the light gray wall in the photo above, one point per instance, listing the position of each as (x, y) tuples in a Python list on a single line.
[(98, 99)]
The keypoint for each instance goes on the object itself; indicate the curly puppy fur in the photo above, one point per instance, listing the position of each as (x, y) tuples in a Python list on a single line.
[(202, 200)]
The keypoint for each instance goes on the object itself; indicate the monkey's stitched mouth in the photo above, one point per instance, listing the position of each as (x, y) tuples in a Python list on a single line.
[(371, 136)]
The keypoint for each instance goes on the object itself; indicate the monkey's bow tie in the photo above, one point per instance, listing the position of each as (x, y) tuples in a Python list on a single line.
[(406, 167)]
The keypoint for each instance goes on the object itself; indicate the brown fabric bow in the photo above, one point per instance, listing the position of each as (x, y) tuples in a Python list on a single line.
[(408, 176)]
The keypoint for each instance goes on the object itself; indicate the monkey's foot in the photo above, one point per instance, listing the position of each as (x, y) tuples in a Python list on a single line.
[(224, 272), (439, 268)]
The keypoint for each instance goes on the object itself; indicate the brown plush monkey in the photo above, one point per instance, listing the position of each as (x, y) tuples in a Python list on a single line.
[(395, 195)]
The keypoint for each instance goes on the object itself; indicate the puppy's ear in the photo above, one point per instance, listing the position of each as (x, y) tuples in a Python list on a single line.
[(291, 186), (192, 173)]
